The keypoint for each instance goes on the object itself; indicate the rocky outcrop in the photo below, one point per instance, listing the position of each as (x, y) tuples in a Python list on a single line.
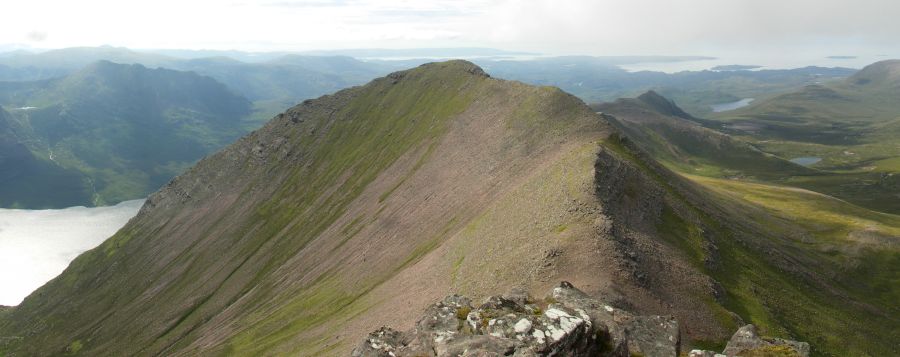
[(746, 342), (567, 322)]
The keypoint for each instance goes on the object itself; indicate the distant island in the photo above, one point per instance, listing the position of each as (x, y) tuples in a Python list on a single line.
[(734, 67), (841, 57)]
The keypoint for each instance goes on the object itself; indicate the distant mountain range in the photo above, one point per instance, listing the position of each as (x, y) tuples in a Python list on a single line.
[(273, 82), (828, 113), (850, 125), (672, 136), (112, 132), (279, 77), (285, 79)]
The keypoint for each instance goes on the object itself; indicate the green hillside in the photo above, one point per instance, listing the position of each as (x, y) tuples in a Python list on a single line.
[(851, 125), (117, 131), (358, 209), (677, 139), (795, 262), (844, 249), (26, 179)]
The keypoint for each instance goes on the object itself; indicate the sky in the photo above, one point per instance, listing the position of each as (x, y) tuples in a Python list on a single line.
[(558, 27)]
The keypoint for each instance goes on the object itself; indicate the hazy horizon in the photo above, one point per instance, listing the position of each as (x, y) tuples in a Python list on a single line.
[(667, 63), (612, 27)]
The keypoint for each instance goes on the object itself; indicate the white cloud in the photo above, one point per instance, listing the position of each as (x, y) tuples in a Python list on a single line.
[(37, 245), (550, 26)]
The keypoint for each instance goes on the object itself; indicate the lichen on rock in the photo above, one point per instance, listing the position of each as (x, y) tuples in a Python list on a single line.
[(746, 342), (568, 322)]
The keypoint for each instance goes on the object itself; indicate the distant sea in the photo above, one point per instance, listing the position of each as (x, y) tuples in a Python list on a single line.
[(786, 62)]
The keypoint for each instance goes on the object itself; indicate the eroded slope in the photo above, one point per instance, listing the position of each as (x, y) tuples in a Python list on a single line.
[(275, 242)]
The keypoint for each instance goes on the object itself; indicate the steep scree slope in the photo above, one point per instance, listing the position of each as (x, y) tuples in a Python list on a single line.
[(275, 243)]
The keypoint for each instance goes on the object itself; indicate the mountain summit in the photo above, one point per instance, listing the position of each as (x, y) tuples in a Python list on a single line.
[(341, 202), (663, 105)]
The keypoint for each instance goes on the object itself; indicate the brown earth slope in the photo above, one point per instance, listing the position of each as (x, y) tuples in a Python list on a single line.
[(342, 209)]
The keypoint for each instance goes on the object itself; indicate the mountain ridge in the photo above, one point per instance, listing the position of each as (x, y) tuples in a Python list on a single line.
[(883, 72), (441, 79), (359, 209)]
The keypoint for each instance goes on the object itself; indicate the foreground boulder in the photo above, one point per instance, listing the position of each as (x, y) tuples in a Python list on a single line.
[(567, 322), (746, 342)]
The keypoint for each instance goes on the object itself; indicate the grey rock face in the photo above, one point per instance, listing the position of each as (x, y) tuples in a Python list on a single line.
[(653, 335), (802, 348), (566, 323), (382, 342), (746, 339)]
